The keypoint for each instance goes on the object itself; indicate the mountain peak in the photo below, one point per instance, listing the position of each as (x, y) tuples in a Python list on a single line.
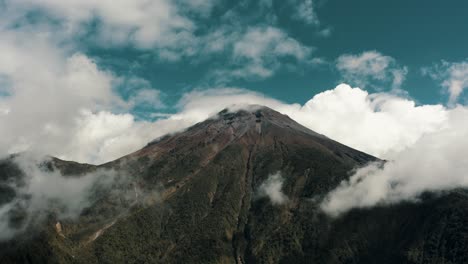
[(252, 109), (251, 126), (240, 187), (259, 118)]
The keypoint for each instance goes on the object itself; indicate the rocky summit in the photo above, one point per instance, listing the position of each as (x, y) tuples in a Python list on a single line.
[(244, 186)]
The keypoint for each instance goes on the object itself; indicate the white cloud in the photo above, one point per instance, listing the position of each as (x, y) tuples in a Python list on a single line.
[(67, 107), (141, 93), (47, 87), (172, 30), (143, 23), (305, 11), (260, 51), (40, 191), (371, 66), (148, 96), (380, 124), (435, 162), (100, 136), (271, 188), (454, 77), (54, 98), (57, 101)]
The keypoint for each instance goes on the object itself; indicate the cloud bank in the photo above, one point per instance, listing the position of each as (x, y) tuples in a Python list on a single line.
[(435, 162), (380, 124)]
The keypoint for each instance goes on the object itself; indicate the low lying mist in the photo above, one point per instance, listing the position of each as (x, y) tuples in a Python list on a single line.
[(34, 190), (272, 188)]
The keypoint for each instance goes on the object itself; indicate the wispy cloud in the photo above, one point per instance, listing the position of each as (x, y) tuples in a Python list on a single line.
[(38, 191), (371, 68), (453, 77), (305, 11), (260, 52), (143, 23), (139, 93)]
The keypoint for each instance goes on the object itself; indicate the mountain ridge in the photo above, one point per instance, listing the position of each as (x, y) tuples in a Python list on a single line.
[(199, 196)]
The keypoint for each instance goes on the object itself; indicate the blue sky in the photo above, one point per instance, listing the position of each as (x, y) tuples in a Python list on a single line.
[(94, 80), (416, 36)]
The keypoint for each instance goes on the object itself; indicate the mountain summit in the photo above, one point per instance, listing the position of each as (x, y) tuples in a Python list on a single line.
[(242, 187)]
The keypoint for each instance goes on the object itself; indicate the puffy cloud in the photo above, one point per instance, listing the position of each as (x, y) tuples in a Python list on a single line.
[(271, 188), (454, 77), (67, 107), (47, 88), (144, 23), (371, 66), (434, 163), (172, 30), (101, 136), (380, 124), (61, 103), (55, 100)]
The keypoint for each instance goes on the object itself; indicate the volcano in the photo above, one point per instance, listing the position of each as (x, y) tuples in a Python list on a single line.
[(244, 186)]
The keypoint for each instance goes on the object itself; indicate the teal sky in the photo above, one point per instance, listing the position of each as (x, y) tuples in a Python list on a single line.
[(289, 49), (414, 33)]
